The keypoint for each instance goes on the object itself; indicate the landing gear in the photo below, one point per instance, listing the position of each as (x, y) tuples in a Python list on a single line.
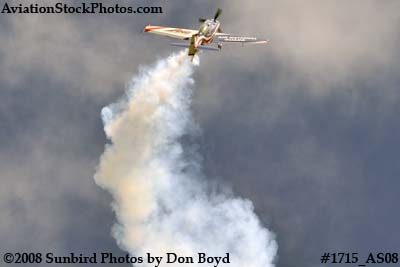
[(219, 46)]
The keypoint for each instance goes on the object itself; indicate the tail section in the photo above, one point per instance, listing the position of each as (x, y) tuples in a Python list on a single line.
[(192, 47)]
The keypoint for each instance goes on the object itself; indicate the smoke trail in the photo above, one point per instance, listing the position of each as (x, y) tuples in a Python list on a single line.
[(160, 200)]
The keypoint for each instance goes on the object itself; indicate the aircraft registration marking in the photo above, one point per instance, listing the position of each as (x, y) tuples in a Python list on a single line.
[(237, 38)]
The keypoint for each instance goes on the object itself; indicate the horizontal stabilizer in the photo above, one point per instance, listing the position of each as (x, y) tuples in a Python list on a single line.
[(201, 47)]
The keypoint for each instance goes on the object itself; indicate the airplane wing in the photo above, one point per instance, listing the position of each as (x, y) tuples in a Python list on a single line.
[(228, 38), (200, 47), (177, 33)]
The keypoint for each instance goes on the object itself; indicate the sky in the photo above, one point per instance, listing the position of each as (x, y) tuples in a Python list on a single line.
[(306, 127)]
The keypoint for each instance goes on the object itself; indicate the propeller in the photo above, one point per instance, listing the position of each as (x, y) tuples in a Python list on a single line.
[(217, 14)]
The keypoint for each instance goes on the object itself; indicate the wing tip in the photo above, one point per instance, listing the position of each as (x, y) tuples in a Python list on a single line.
[(261, 42), (147, 28), (150, 28)]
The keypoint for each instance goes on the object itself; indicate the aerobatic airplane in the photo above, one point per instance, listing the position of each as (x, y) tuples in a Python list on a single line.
[(201, 39)]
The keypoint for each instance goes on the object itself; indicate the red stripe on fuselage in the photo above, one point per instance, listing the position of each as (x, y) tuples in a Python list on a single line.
[(207, 40)]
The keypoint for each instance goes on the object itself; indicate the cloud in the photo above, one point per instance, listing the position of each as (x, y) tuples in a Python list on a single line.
[(92, 53), (318, 43), (309, 121)]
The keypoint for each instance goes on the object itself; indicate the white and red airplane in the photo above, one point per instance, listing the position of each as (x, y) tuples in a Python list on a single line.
[(208, 33)]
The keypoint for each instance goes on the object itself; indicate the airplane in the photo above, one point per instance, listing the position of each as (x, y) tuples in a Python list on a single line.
[(208, 33)]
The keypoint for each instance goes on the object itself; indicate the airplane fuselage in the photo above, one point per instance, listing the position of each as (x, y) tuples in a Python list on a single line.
[(200, 39), (207, 32)]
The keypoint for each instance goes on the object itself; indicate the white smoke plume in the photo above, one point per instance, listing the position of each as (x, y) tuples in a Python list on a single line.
[(161, 202)]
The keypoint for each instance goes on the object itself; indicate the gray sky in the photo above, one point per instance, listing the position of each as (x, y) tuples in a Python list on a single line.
[(306, 128)]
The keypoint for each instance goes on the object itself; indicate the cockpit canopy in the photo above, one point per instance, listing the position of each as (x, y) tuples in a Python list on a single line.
[(207, 28)]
